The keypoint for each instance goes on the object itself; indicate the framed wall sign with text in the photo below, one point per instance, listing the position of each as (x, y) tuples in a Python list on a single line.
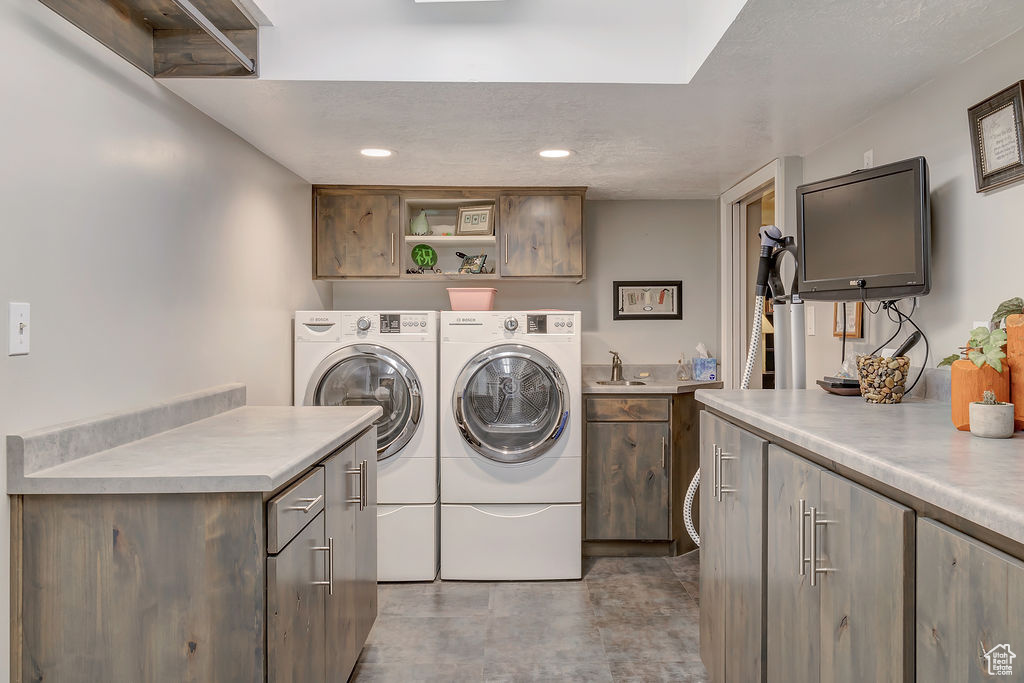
[(647, 300), (997, 138)]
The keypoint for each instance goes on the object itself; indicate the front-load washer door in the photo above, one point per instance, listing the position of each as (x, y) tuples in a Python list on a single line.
[(370, 375), (511, 403)]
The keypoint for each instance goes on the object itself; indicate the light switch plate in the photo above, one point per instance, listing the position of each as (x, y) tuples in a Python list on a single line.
[(809, 315), (869, 158), (18, 326)]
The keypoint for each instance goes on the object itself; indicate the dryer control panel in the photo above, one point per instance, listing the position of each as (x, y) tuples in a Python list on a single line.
[(374, 324), (549, 323)]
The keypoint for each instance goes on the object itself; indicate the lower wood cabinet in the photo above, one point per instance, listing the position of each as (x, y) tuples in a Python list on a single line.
[(840, 578), (970, 608), (732, 551)]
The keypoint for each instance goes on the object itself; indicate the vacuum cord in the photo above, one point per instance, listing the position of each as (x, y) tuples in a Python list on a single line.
[(748, 370)]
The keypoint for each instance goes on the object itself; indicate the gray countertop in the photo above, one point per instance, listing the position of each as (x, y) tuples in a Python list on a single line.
[(649, 387), (911, 447), (236, 449)]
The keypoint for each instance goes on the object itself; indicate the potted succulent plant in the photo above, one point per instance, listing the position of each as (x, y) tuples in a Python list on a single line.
[(976, 369), (991, 419)]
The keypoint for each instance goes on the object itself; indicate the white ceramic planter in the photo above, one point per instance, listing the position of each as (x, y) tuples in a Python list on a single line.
[(992, 421)]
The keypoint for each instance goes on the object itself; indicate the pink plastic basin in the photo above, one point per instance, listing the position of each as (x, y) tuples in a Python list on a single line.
[(472, 298)]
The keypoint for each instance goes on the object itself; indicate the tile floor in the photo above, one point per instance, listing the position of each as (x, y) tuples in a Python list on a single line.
[(629, 619)]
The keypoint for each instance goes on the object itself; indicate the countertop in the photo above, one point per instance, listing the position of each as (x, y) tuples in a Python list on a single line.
[(649, 387), (911, 446), (241, 449)]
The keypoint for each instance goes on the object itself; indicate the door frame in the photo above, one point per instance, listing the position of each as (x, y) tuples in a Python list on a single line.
[(785, 173)]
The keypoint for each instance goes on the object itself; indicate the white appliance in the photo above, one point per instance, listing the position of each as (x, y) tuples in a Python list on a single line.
[(385, 358), (510, 445)]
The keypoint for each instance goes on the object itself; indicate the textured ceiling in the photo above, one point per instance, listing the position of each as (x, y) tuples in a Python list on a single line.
[(788, 76)]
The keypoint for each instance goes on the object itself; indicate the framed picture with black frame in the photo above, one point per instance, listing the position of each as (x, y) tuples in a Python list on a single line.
[(647, 300), (997, 138)]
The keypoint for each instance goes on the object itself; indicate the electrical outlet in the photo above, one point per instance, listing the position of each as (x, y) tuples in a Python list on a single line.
[(810, 321), (18, 329), (869, 158)]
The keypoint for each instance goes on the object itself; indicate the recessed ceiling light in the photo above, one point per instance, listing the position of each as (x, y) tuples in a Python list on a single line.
[(375, 152), (554, 153)]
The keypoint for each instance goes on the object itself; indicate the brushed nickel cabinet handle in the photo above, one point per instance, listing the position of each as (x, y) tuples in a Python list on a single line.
[(801, 536), (714, 472), (506, 248), (664, 448), (722, 488), (362, 484), (306, 508), (815, 522), (392, 248), (358, 498), (329, 549)]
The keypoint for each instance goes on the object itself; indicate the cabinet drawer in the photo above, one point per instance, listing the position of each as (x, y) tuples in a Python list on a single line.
[(291, 510), (628, 409)]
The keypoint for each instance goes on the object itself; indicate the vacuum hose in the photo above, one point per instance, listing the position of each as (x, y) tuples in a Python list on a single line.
[(770, 236)]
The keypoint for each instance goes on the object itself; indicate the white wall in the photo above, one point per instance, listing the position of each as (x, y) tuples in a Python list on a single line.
[(977, 239), (625, 240), (161, 253)]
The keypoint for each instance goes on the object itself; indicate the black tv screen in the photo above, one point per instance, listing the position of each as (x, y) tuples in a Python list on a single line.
[(865, 235)]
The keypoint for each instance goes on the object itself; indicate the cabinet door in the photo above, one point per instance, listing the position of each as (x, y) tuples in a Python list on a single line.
[(970, 601), (712, 552), (793, 605), (296, 651), (357, 234), (628, 480), (340, 485), (542, 235), (365, 586), (741, 474), (867, 601)]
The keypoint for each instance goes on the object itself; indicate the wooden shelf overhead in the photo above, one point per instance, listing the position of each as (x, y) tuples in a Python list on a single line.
[(170, 38)]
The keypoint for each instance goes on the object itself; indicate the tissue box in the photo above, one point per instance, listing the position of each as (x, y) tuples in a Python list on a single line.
[(705, 369)]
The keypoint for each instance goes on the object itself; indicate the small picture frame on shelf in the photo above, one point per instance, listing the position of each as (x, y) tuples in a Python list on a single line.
[(475, 220), (997, 138), (854, 320), (647, 300), (472, 265)]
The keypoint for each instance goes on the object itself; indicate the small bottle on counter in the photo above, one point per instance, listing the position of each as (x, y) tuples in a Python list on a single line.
[(684, 370)]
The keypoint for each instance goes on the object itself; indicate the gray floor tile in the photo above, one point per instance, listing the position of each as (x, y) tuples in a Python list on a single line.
[(419, 672), (686, 567), (639, 595), (440, 599), (546, 639), (645, 638), (426, 639), (541, 598), (659, 672), (595, 671), (598, 568)]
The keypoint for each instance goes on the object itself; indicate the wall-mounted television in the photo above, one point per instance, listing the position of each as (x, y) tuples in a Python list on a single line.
[(865, 235)]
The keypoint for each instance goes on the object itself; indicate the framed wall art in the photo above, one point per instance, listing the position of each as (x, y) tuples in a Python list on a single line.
[(854, 319), (997, 138), (647, 300), (475, 220)]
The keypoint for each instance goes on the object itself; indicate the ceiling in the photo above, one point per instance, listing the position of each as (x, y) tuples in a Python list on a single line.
[(787, 76)]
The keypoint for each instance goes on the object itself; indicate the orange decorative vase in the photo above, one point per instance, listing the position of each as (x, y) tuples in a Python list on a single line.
[(1015, 361), (968, 383)]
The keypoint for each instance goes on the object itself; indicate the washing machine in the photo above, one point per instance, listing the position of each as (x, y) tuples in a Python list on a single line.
[(385, 358), (510, 445)]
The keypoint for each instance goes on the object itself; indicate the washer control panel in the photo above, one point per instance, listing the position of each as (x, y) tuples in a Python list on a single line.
[(403, 323), (385, 324), (549, 323)]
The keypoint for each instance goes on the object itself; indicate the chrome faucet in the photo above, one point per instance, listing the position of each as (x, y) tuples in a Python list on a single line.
[(616, 367)]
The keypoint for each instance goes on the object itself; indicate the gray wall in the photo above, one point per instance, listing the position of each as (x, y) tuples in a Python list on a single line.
[(625, 240), (161, 253), (977, 239)]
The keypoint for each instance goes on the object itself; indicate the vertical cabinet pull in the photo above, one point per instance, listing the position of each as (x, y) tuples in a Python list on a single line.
[(801, 536), (722, 488), (358, 498), (664, 449), (392, 248), (506, 248), (815, 522), (362, 484), (714, 471), (329, 549)]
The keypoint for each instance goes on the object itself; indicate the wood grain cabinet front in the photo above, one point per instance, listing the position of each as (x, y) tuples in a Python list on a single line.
[(541, 235), (356, 233)]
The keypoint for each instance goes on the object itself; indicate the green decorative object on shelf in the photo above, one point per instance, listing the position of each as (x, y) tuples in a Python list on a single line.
[(419, 224), (424, 255)]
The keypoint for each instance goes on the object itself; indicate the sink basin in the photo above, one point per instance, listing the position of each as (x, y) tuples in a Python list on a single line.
[(621, 383)]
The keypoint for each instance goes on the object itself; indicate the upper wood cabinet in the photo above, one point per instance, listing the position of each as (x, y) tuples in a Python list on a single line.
[(364, 232), (356, 233), (542, 235)]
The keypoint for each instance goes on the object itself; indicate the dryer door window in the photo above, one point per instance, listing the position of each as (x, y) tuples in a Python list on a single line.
[(511, 403), (367, 375)]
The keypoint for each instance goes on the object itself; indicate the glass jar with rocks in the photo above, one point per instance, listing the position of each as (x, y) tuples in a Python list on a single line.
[(883, 380)]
